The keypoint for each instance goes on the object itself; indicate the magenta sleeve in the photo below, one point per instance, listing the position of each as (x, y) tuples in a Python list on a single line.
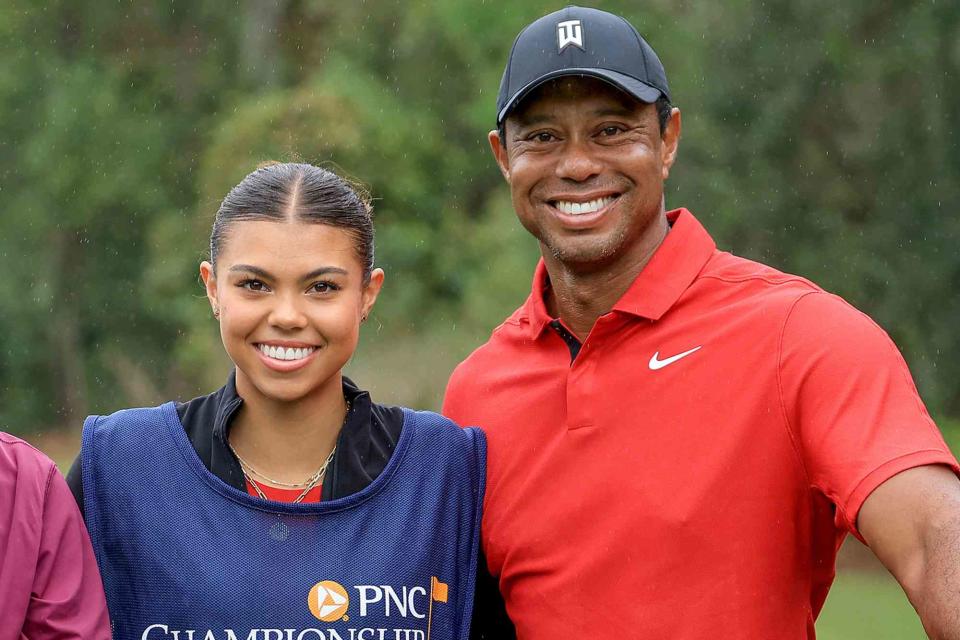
[(67, 601)]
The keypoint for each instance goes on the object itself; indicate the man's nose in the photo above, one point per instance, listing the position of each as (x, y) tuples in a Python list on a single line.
[(578, 162)]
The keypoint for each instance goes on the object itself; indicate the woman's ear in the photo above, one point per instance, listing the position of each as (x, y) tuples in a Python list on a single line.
[(370, 293), (210, 284)]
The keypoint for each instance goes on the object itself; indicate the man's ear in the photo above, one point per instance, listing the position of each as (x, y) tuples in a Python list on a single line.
[(499, 153), (671, 142)]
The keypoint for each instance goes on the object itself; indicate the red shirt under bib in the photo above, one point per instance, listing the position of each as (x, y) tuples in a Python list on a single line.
[(285, 495)]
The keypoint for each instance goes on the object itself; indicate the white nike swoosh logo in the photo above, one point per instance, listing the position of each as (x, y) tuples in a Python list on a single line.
[(655, 363)]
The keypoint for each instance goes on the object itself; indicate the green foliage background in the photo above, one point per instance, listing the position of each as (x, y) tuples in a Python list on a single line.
[(820, 137)]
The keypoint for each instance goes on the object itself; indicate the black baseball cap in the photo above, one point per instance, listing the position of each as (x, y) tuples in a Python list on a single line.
[(579, 41)]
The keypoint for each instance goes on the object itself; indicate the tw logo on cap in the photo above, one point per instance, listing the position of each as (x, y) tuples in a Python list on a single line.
[(569, 32)]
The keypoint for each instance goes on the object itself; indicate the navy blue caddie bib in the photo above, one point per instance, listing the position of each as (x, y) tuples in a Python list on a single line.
[(184, 556)]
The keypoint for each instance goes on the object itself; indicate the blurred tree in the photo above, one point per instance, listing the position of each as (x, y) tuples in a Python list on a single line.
[(825, 142), (820, 138), (99, 111)]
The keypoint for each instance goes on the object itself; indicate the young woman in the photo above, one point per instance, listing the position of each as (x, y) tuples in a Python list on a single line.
[(286, 505)]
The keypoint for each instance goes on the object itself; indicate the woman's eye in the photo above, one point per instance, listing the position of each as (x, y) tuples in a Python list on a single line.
[(323, 287), (252, 285)]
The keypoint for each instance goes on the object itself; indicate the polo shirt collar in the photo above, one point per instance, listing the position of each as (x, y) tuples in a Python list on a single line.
[(674, 266), (535, 308)]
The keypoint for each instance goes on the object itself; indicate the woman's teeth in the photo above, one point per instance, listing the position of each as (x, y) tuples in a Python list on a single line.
[(578, 208), (279, 353)]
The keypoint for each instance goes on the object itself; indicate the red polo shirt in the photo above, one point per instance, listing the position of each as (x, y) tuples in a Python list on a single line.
[(692, 472)]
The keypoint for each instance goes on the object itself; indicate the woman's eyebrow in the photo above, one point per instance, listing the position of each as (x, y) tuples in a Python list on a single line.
[(249, 268), (322, 271), (257, 271)]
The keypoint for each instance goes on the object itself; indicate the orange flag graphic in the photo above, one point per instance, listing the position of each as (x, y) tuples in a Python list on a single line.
[(438, 589)]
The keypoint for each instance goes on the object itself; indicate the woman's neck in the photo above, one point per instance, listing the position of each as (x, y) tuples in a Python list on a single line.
[(287, 441)]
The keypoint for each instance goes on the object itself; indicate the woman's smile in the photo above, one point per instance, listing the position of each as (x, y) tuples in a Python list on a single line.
[(285, 359)]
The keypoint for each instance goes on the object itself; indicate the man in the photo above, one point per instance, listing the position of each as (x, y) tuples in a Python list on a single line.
[(50, 588), (679, 439)]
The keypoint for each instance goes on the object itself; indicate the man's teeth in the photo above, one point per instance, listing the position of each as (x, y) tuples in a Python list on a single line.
[(279, 353), (578, 208)]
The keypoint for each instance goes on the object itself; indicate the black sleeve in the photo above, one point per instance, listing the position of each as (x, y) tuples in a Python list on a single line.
[(75, 481), (490, 620)]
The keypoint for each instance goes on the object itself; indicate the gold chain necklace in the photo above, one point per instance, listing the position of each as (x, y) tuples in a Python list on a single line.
[(247, 469), (314, 481)]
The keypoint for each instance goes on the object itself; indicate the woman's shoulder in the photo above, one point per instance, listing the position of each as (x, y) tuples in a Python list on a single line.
[(432, 424), (438, 447), (127, 418), (428, 417), (198, 416)]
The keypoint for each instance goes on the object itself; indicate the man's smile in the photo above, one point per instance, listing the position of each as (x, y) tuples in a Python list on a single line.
[(573, 207)]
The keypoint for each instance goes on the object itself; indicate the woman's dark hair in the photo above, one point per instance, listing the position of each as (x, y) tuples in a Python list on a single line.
[(287, 191)]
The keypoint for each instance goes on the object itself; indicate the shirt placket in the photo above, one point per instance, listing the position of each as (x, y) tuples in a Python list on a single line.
[(584, 388)]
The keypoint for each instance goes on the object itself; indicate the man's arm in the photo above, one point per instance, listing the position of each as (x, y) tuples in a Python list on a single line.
[(867, 442), (912, 524)]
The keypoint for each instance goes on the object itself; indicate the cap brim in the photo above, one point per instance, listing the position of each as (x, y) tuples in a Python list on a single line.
[(638, 89)]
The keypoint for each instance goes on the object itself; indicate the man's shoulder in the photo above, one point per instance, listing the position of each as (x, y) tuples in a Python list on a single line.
[(732, 282), (728, 268), (807, 317)]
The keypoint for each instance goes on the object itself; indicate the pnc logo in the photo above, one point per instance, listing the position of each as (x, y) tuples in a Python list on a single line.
[(328, 601)]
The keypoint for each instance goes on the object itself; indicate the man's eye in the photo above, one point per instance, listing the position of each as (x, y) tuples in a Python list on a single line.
[(252, 285), (612, 130), (541, 136)]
